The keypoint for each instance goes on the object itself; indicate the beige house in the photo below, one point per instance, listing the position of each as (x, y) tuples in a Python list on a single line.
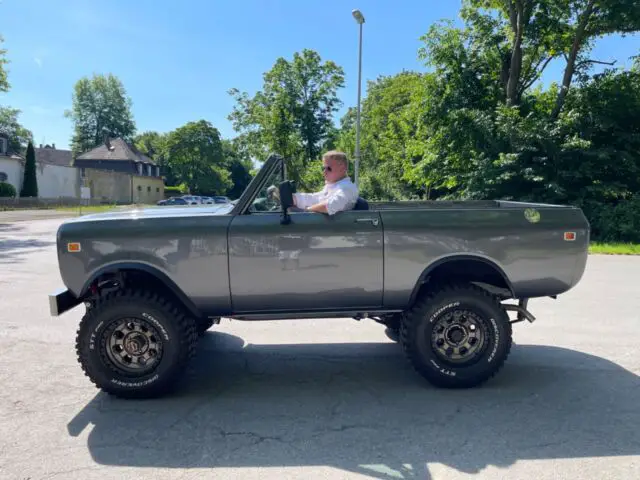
[(118, 172)]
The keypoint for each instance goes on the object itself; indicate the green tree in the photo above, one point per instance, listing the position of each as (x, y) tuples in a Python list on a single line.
[(30, 183), (18, 135), (100, 106), (391, 128), (593, 19), (293, 113), (238, 164), (4, 82), (154, 145), (195, 155)]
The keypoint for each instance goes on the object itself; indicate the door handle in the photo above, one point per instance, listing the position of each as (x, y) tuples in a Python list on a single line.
[(374, 221)]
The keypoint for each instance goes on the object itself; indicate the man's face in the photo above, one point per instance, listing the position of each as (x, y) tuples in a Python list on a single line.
[(333, 170)]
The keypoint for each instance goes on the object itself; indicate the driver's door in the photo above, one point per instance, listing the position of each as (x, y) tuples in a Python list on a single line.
[(316, 262)]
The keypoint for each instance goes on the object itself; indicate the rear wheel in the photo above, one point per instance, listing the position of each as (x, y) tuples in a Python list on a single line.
[(457, 337), (135, 344)]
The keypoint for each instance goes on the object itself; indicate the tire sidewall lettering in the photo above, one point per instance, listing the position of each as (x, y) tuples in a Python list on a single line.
[(158, 324), (493, 336), (95, 349), (443, 309), (142, 383), (496, 339)]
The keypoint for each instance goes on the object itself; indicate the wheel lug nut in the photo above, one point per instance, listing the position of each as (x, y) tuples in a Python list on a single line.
[(440, 342), (450, 351), (463, 350)]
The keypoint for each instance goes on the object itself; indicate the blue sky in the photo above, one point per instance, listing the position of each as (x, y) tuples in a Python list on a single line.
[(178, 59)]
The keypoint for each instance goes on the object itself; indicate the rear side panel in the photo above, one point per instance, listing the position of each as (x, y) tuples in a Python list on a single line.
[(529, 248)]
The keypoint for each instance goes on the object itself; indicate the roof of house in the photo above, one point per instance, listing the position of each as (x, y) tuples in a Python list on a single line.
[(119, 151), (52, 156)]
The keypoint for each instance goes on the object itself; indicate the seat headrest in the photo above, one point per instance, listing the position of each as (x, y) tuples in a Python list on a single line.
[(361, 204)]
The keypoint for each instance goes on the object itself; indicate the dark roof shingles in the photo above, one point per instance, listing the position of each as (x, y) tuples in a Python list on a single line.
[(121, 150), (51, 156)]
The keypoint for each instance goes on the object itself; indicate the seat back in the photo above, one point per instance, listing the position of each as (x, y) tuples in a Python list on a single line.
[(361, 204)]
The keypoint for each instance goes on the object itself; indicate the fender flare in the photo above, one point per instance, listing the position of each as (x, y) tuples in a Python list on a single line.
[(149, 269), (454, 258)]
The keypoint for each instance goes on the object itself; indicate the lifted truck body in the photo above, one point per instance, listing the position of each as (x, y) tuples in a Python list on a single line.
[(244, 262), (225, 261)]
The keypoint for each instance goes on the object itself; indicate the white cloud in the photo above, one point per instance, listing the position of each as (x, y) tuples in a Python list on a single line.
[(38, 61)]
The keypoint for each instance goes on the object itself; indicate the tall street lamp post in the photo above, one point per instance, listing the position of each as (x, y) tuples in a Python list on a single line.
[(360, 19)]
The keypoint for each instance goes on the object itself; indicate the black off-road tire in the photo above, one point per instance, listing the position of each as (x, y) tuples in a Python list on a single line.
[(428, 319), (173, 334)]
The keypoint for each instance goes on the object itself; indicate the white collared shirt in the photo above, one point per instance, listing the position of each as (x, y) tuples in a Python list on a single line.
[(340, 196)]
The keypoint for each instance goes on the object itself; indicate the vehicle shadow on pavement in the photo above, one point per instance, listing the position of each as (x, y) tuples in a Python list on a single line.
[(13, 249), (359, 407)]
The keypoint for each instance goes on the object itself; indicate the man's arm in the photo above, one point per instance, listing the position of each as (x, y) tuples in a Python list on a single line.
[(304, 200), (338, 202), (319, 207)]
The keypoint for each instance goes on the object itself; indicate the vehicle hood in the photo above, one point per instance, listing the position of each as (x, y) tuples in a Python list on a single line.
[(156, 212)]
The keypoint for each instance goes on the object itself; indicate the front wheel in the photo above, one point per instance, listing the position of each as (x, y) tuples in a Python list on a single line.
[(135, 344), (457, 337)]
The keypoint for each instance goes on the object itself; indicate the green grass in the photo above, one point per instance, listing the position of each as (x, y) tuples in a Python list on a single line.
[(615, 248)]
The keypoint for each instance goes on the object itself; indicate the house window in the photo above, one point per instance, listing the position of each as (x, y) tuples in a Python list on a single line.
[(3, 176), (139, 188), (3, 146), (149, 170), (157, 189), (139, 169), (157, 171), (148, 189)]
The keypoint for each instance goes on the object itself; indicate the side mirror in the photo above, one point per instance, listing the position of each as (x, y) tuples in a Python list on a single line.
[(286, 189)]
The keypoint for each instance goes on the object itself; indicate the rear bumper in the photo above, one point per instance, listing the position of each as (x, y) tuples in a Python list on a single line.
[(62, 301)]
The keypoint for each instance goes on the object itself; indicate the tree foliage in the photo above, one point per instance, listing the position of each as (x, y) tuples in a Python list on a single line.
[(4, 81), (238, 163), (293, 113), (100, 106), (18, 135), (7, 190), (154, 145), (195, 155), (479, 123)]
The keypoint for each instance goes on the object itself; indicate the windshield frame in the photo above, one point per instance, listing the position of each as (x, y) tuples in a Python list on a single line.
[(250, 193)]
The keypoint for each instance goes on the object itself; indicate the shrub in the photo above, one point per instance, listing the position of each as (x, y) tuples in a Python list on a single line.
[(7, 190), (619, 222)]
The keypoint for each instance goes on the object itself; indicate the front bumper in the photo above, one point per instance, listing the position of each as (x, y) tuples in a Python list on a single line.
[(62, 301)]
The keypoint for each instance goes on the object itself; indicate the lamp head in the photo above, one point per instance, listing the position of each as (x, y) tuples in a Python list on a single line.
[(357, 14)]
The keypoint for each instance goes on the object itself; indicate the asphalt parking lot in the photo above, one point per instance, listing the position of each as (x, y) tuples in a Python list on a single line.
[(323, 398)]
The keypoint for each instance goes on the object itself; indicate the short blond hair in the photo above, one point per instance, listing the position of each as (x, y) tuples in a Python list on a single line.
[(337, 155)]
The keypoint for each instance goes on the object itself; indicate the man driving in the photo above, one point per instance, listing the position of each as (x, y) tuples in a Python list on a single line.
[(338, 194)]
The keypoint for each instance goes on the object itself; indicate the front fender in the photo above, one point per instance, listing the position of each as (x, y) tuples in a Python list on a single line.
[(147, 269)]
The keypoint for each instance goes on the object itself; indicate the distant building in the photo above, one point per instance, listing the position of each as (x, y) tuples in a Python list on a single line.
[(118, 156), (117, 171), (55, 175)]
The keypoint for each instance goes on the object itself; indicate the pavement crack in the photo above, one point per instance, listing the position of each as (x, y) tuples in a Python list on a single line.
[(67, 472)]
